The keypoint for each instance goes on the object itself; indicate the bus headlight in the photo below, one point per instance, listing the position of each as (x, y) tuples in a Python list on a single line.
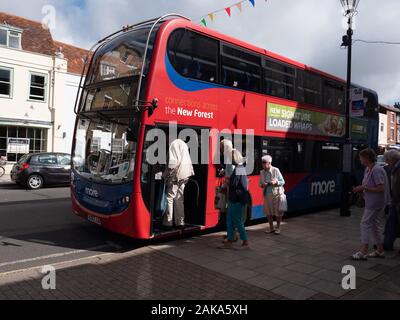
[(124, 200)]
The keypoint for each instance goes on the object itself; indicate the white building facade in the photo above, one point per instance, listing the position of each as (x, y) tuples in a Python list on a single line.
[(383, 130), (37, 91)]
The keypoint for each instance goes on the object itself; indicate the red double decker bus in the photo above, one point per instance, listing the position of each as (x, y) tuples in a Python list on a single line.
[(167, 70)]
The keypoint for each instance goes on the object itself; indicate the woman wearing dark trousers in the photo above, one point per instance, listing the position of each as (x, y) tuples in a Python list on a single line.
[(237, 197)]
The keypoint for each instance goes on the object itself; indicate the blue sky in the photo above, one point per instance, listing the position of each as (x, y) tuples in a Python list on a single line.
[(309, 31)]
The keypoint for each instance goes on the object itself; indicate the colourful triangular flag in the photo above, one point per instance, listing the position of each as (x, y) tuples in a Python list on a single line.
[(239, 6), (228, 11), (211, 15), (203, 21), (253, 2)]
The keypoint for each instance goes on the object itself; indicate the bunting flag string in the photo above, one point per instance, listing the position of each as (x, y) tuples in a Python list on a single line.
[(228, 10)]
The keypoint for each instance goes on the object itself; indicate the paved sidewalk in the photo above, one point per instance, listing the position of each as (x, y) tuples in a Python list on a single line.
[(305, 262)]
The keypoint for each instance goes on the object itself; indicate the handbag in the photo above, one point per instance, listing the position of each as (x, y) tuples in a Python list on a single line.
[(360, 201), (283, 206), (220, 199), (161, 205), (276, 190)]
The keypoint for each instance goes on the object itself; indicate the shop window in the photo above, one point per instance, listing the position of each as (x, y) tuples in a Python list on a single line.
[(17, 141)]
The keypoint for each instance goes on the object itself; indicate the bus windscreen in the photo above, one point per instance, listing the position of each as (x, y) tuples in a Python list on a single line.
[(104, 151)]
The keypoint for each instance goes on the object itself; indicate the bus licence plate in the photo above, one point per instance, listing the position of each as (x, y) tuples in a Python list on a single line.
[(94, 220)]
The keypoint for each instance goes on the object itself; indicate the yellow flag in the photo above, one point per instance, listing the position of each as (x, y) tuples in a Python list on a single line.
[(211, 15)]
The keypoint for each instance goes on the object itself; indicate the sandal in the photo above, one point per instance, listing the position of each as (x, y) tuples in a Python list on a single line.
[(227, 241), (359, 256), (376, 254)]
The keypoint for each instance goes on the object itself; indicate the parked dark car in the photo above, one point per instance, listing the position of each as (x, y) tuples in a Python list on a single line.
[(39, 169)]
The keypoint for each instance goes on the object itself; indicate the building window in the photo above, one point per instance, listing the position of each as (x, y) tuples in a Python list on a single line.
[(6, 82), (392, 134), (398, 119), (38, 86), (391, 117), (382, 127), (17, 141), (10, 37), (108, 72), (398, 135)]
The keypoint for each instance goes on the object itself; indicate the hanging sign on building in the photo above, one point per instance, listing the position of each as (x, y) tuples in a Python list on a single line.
[(15, 145), (357, 102)]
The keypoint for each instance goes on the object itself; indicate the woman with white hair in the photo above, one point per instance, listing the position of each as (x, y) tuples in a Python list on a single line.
[(226, 147), (272, 182), (237, 197)]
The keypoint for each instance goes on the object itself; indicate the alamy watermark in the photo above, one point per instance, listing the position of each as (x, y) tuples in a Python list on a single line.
[(49, 279), (49, 20), (349, 280), (200, 142)]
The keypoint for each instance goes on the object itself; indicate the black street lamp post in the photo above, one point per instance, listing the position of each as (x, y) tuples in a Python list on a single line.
[(350, 10)]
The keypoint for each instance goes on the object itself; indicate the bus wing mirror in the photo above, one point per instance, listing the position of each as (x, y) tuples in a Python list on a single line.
[(154, 106)]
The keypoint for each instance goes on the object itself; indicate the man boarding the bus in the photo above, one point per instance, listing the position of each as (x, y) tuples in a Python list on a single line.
[(176, 175)]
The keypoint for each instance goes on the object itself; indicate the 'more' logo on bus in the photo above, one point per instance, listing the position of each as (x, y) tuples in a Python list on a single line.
[(322, 187)]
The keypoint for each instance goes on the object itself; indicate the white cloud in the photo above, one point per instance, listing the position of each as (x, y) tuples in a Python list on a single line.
[(309, 31)]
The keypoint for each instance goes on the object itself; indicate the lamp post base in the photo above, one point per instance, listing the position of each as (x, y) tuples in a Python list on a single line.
[(346, 196)]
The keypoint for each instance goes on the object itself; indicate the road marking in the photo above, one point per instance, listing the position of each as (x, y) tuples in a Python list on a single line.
[(62, 263), (58, 255)]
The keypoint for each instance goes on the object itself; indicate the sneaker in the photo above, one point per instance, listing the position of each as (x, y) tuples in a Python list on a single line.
[(269, 231), (359, 256), (278, 232)]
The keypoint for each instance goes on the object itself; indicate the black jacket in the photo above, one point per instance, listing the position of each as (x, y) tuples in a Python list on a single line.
[(238, 186)]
